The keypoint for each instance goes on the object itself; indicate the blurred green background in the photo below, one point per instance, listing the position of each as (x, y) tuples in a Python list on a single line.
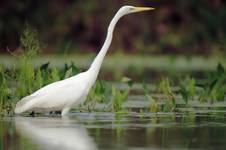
[(186, 27)]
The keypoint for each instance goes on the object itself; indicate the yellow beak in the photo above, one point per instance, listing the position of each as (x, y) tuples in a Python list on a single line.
[(139, 9)]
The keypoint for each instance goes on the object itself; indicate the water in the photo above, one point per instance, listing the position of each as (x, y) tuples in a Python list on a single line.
[(108, 131)]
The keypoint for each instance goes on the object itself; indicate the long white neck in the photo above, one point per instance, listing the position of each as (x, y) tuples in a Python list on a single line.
[(95, 66)]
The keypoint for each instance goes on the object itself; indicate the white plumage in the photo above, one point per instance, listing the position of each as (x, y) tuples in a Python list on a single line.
[(62, 95)]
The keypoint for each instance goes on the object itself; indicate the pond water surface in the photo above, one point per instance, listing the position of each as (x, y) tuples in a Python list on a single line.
[(108, 131)]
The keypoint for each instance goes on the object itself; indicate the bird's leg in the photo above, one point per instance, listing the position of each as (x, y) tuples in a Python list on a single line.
[(54, 113), (65, 111), (51, 113), (57, 112)]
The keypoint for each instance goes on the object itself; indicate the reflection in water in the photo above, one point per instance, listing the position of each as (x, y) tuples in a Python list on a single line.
[(127, 131), (55, 133)]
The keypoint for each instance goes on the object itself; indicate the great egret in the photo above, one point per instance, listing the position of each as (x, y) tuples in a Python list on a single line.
[(62, 95)]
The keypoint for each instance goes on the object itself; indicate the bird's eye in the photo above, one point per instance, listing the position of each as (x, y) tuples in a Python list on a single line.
[(130, 9)]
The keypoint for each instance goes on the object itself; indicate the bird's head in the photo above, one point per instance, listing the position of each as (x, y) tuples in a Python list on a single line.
[(132, 9)]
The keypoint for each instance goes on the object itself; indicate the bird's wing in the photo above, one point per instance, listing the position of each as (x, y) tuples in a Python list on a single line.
[(52, 94), (20, 106), (26, 103), (23, 104), (24, 100)]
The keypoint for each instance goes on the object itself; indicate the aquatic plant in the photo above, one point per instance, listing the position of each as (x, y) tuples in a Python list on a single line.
[(119, 96), (100, 93), (38, 79), (214, 87), (25, 77), (169, 97), (187, 89), (3, 91), (55, 75), (28, 79), (70, 70), (109, 95), (153, 103), (30, 47)]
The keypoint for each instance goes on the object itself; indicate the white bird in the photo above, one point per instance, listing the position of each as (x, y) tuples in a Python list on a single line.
[(63, 95)]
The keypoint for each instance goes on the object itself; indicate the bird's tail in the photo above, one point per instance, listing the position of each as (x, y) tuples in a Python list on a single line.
[(23, 105)]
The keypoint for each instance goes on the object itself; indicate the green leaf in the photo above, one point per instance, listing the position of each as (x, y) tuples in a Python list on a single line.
[(128, 81), (184, 94), (220, 69), (192, 87), (75, 70), (55, 75), (1, 78), (213, 83), (44, 66), (145, 88), (68, 73)]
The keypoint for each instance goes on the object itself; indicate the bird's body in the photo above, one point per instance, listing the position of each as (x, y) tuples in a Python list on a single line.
[(62, 95)]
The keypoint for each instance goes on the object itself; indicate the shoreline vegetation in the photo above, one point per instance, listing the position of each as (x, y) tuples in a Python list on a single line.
[(155, 62), (26, 72)]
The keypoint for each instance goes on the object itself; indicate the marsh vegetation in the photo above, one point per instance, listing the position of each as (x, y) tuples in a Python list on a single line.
[(165, 95)]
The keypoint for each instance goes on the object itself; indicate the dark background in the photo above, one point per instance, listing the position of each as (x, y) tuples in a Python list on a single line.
[(187, 27)]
